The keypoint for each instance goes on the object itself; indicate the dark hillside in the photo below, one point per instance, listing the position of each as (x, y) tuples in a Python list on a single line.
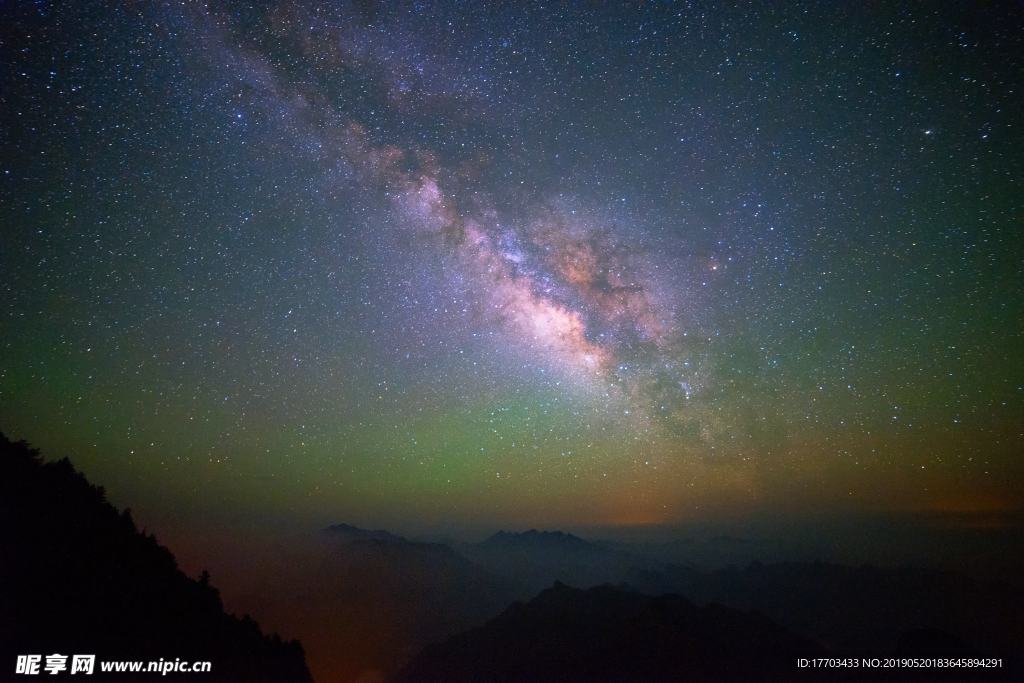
[(82, 579)]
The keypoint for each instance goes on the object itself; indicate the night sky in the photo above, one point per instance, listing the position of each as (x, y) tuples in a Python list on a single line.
[(547, 264)]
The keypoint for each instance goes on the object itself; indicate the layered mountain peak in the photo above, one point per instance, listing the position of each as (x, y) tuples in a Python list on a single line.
[(347, 533), (533, 537), (609, 633)]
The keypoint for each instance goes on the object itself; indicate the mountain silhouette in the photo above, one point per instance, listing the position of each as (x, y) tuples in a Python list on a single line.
[(613, 634), (81, 579), (533, 560), (363, 602), (857, 609), (346, 533), (545, 540)]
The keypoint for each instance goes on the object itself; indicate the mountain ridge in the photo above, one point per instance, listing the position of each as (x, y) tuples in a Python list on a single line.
[(610, 633)]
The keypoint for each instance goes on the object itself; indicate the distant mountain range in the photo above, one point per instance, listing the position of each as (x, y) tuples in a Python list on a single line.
[(612, 634), (367, 600), (616, 635), (533, 560), (346, 533), (534, 539), (370, 604), (856, 609), (868, 610)]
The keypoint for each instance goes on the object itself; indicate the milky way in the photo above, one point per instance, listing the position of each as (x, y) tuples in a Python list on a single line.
[(558, 285), (385, 261)]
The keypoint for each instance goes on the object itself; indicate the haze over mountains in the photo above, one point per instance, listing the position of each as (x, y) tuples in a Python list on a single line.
[(371, 605), (366, 601), (612, 634), (376, 599)]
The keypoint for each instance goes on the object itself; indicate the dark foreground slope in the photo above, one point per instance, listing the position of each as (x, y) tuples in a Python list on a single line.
[(79, 578), (613, 634)]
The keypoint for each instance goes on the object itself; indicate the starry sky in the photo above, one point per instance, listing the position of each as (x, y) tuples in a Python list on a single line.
[(510, 264)]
